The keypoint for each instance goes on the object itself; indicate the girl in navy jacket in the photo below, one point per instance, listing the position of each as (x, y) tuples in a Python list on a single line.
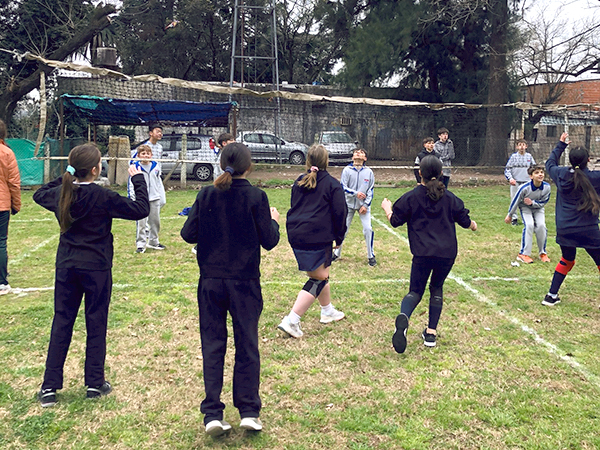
[(577, 209), (84, 263), (430, 212), (316, 219), (230, 222)]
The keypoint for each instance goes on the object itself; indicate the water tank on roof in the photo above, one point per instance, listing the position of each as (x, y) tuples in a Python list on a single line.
[(106, 57)]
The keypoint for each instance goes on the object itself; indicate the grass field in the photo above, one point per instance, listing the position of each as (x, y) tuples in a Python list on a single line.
[(508, 373)]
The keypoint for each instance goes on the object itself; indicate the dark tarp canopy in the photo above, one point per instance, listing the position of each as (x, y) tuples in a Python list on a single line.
[(115, 111)]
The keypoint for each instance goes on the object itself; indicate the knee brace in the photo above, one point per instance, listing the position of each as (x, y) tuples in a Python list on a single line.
[(314, 286), (436, 300), (564, 267), (412, 297), (436, 291)]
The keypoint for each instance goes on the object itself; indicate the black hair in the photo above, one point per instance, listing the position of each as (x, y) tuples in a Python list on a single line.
[(431, 172), (442, 131), (83, 159), (237, 157), (532, 169), (224, 137), (589, 202), (362, 150), (151, 127), (428, 139)]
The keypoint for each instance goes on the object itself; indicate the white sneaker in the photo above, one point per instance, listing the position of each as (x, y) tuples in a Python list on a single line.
[(290, 328), (333, 316), (251, 424), (4, 289), (216, 428)]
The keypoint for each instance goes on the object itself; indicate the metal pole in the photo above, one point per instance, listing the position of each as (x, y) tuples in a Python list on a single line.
[(183, 156)]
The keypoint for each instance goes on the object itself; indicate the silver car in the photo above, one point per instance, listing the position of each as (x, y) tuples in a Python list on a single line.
[(265, 146), (339, 145), (200, 148)]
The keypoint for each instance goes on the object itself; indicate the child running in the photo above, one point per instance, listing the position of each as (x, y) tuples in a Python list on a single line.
[(577, 208), (317, 217), (531, 198), (230, 222), (430, 212), (83, 263)]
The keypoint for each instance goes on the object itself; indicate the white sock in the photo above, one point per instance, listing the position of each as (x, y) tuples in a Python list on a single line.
[(294, 318), (327, 309), (552, 295)]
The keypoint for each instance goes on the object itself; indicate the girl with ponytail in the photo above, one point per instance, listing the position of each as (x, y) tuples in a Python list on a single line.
[(577, 208), (317, 218), (84, 257), (431, 213), (230, 222)]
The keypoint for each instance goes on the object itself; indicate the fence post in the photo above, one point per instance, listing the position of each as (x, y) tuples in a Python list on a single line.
[(183, 156)]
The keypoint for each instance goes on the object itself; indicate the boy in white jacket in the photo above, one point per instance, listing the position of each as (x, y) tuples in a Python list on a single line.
[(148, 228), (358, 182)]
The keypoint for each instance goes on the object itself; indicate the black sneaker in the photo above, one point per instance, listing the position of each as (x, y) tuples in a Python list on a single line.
[(98, 391), (47, 397), (372, 261), (514, 222), (156, 247), (140, 249), (399, 337), (549, 301), (428, 338)]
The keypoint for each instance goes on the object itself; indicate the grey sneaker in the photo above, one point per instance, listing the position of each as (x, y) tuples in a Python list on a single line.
[(372, 261), (549, 301), (399, 337), (47, 397), (140, 250), (98, 391), (216, 428), (333, 316), (251, 424), (292, 329), (156, 247)]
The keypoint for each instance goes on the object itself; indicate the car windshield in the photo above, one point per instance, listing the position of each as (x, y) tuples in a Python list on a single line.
[(337, 138)]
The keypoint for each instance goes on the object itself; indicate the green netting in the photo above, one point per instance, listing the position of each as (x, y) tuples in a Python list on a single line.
[(31, 169)]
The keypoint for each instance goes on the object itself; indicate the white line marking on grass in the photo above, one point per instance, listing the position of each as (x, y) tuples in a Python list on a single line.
[(22, 256), (550, 348)]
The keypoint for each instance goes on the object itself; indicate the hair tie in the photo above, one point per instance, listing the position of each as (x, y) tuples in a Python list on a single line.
[(577, 166), (71, 170), (314, 169), (433, 178), (229, 169)]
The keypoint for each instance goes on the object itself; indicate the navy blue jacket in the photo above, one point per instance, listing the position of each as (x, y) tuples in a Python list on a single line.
[(230, 227), (431, 229), (88, 243), (317, 217), (568, 218)]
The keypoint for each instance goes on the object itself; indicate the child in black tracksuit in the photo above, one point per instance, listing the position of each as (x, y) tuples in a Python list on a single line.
[(317, 218), (230, 222), (83, 263), (431, 213), (427, 150)]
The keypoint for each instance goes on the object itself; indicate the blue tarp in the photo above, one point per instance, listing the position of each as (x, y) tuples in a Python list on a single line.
[(114, 111)]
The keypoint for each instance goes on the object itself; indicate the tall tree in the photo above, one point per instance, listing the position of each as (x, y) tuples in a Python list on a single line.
[(53, 29), (186, 39)]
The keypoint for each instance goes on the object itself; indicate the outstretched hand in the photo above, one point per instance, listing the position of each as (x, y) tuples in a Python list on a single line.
[(564, 137), (133, 170)]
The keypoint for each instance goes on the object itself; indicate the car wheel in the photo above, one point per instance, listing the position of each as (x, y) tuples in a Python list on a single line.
[(203, 172), (297, 158)]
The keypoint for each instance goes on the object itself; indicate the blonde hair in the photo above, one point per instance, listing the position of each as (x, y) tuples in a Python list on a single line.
[(318, 157)]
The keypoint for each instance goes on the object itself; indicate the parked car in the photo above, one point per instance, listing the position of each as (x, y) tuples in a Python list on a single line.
[(200, 148), (265, 146), (339, 145)]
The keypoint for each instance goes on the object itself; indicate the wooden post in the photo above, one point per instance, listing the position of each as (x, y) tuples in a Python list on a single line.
[(183, 156)]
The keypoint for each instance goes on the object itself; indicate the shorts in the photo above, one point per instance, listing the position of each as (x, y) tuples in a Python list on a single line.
[(587, 239), (309, 260)]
